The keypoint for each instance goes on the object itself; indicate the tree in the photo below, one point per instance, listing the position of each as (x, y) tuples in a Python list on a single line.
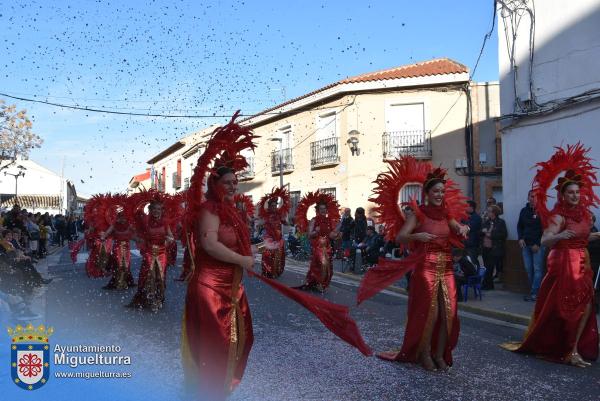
[(16, 137)]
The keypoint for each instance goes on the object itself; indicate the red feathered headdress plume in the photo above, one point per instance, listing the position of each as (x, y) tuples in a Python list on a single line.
[(406, 171), (95, 211), (316, 198), (275, 195), (579, 170), (139, 200), (246, 202), (117, 204), (223, 149)]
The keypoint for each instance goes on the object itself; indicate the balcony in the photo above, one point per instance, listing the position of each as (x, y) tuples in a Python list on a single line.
[(176, 179), (285, 158), (247, 173), (407, 143), (324, 153)]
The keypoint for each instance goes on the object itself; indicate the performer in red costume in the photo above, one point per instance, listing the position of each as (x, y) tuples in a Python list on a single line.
[(121, 232), (563, 327), (98, 262), (153, 235), (273, 216), (321, 230), (429, 230), (243, 204), (217, 326)]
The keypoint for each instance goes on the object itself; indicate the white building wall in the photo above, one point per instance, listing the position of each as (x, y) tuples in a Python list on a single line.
[(565, 63)]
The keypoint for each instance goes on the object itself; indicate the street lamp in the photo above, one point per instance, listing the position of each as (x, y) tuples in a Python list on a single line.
[(280, 140), (21, 173)]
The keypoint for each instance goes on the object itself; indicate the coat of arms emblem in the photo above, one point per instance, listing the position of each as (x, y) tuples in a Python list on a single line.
[(30, 355)]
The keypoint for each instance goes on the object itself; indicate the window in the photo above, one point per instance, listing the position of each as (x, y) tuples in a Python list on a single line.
[(294, 200), (285, 133), (410, 191), (326, 126), (329, 191), (405, 132), (405, 117)]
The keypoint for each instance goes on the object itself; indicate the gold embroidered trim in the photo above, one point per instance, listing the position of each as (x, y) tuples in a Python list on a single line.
[(237, 337)]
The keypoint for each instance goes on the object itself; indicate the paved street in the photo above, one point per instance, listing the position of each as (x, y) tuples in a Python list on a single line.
[(294, 357)]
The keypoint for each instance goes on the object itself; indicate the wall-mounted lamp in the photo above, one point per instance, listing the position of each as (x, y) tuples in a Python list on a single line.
[(353, 142)]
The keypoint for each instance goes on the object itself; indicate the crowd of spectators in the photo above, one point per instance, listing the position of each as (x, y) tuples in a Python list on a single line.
[(25, 238)]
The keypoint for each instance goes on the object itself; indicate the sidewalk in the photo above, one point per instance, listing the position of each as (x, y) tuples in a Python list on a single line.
[(496, 304)]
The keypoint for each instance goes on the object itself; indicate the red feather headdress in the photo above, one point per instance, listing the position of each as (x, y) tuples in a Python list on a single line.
[(579, 170), (95, 211), (406, 171), (246, 202), (316, 198), (223, 149), (275, 195), (115, 205)]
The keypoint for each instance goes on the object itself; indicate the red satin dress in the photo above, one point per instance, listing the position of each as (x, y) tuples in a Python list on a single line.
[(321, 268), (151, 282), (273, 256), (98, 262), (434, 273), (188, 252), (121, 258), (565, 292), (172, 251), (217, 332)]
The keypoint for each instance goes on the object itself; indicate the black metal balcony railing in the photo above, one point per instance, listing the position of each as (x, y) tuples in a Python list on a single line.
[(248, 172), (407, 143), (284, 157), (324, 152)]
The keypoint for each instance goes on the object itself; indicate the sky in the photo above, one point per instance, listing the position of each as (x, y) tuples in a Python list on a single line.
[(205, 60)]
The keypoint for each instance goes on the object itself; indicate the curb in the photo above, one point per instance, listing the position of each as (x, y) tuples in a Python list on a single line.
[(462, 306)]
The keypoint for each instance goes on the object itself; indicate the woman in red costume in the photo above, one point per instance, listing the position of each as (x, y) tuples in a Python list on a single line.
[(430, 231), (563, 326), (153, 235), (321, 230), (121, 233), (273, 216), (98, 262), (187, 240), (217, 326)]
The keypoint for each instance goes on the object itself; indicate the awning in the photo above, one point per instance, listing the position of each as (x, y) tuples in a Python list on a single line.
[(31, 202)]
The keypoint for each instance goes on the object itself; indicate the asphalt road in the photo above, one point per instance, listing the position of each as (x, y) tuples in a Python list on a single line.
[(294, 357)]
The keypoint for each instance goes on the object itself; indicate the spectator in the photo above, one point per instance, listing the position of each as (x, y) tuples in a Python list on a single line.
[(490, 202), (494, 235), (594, 251), (529, 230), (71, 229), (464, 267), (474, 221), (345, 227), (44, 234), (359, 234), (371, 247), (61, 229)]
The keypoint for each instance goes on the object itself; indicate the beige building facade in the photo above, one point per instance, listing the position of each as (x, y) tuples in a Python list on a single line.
[(337, 139)]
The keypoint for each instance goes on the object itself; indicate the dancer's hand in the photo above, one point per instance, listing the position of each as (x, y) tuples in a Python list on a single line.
[(566, 234), (463, 230), (247, 262)]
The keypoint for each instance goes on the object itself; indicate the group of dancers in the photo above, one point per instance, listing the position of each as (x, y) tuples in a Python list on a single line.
[(211, 220)]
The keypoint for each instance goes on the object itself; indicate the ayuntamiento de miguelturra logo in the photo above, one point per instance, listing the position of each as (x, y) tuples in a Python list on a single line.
[(30, 355)]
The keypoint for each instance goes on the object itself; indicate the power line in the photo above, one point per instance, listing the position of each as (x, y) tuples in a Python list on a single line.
[(485, 39), (124, 113)]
